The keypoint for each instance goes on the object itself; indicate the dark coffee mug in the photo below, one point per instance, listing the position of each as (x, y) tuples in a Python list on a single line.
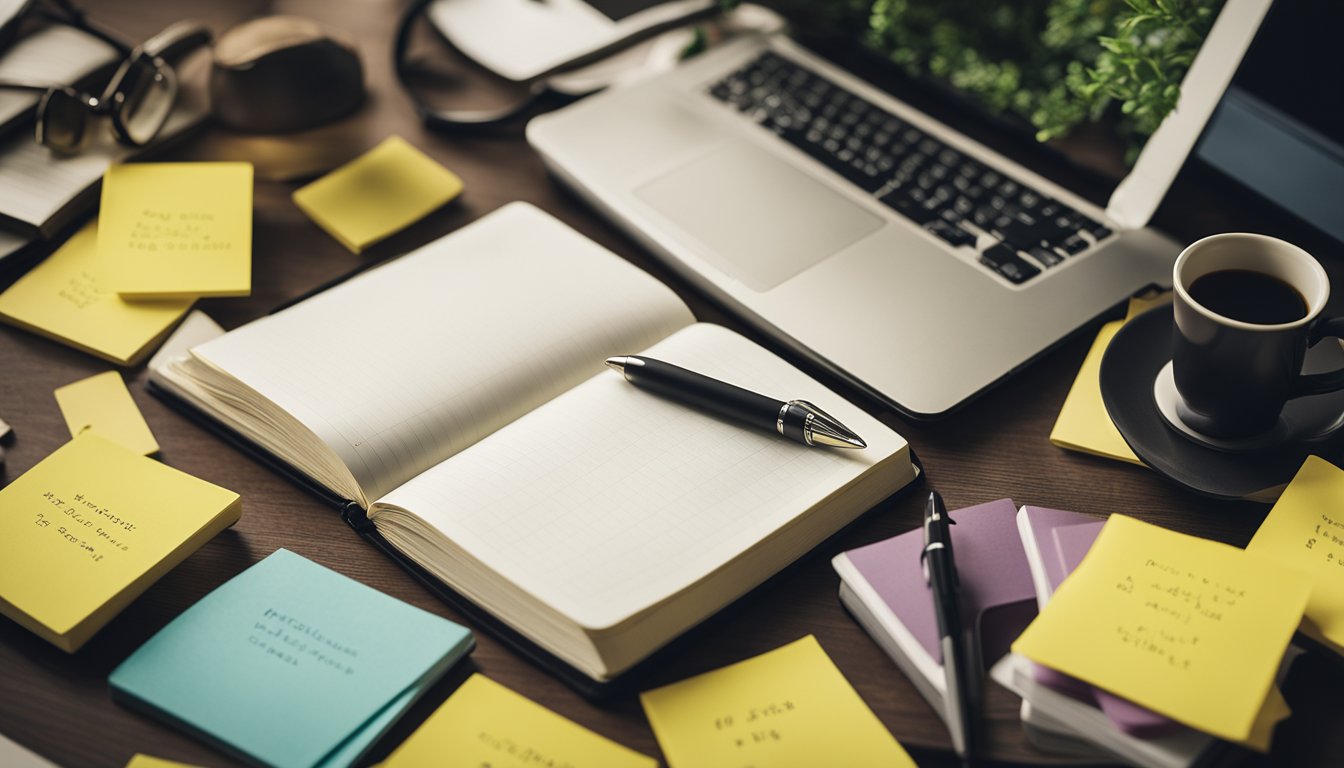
[(1247, 307)]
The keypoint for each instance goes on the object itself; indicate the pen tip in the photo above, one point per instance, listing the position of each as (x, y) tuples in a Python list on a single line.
[(616, 364), (821, 428)]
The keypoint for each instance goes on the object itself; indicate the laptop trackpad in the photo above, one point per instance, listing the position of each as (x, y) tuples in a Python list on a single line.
[(754, 216)]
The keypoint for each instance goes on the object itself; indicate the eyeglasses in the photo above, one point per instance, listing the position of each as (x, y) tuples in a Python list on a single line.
[(137, 100)]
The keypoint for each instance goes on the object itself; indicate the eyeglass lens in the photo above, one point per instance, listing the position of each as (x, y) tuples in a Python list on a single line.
[(144, 98), (62, 118)]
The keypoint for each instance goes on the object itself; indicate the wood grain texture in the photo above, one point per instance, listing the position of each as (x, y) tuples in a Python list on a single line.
[(57, 704)]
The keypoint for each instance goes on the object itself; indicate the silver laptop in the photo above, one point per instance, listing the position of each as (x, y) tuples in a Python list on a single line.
[(902, 256)]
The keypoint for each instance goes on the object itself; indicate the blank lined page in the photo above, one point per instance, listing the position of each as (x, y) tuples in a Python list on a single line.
[(609, 499), (404, 366)]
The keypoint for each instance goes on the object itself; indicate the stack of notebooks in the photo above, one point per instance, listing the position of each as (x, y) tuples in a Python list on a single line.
[(290, 664), (1003, 588), (456, 407)]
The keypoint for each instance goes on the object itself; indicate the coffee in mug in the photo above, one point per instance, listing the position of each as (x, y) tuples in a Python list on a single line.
[(1251, 297), (1246, 309)]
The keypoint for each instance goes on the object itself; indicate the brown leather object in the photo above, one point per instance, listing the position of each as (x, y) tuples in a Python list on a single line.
[(283, 73)]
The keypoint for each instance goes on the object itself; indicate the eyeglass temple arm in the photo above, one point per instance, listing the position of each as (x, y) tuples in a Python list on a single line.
[(168, 44), (79, 19), (177, 39), (27, 85)]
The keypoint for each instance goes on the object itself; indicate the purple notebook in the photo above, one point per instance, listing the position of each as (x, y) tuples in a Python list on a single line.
[(991, 566), (1063, 538)]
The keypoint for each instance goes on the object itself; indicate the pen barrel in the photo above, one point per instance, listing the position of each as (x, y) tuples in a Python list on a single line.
[(704, 393), (947, 605)]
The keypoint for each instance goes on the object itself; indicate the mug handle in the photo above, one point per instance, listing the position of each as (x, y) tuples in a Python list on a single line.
[(1321, 383)]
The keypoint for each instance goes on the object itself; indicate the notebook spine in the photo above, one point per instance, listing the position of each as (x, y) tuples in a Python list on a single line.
[(356, 517)]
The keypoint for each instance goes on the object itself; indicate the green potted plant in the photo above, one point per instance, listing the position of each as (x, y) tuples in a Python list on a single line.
[(1054, 64)]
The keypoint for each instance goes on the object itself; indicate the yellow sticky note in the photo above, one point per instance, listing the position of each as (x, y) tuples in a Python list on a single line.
[(1187, 627), (378, 194), (90, 528), (1274, 711), (789, 707), (176, 230), (145, 761), (485, 724), (1305, 530), (102, 405), (65, 299), (1083, 424)]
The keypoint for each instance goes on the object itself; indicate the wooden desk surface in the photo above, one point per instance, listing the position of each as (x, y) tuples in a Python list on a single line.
[(58, 705)]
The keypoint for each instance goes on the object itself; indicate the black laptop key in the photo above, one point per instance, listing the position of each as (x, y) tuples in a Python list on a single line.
[(984, 216), (951, 233), (1019, 228), (1046, 256), (1074, 244), (899, 200), (1054, 231), (1085, 222), (1004, 260), (1026, 232), (1002, 204), (866, 174)]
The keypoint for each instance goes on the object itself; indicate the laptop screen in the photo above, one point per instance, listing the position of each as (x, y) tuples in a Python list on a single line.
[(1095, 78), (1279, 129)]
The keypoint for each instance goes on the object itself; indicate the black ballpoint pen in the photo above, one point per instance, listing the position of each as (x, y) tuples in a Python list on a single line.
[(797, 419), (940, 570)]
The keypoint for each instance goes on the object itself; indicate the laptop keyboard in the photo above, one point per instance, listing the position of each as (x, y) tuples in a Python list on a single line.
[(1016, 231)]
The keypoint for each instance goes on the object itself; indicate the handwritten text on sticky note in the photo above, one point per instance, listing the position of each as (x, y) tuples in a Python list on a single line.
[(177, 229), (64, 298), (80, 522), (788, 707), (293, 641), (1305, 529), (1161, 618)]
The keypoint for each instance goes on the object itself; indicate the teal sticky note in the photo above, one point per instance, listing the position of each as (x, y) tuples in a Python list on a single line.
[(290, 664)]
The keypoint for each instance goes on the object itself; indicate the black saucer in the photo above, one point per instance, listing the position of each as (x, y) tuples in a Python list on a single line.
[(1128, 371)]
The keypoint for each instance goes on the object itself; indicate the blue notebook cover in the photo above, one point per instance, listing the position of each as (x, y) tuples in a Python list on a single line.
[(290, 664)]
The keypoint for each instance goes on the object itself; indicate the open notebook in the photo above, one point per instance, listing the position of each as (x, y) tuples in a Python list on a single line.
[(459, 395)]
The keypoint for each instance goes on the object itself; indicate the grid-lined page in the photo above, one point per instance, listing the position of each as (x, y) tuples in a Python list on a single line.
[(609, 499), (408, 364)]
